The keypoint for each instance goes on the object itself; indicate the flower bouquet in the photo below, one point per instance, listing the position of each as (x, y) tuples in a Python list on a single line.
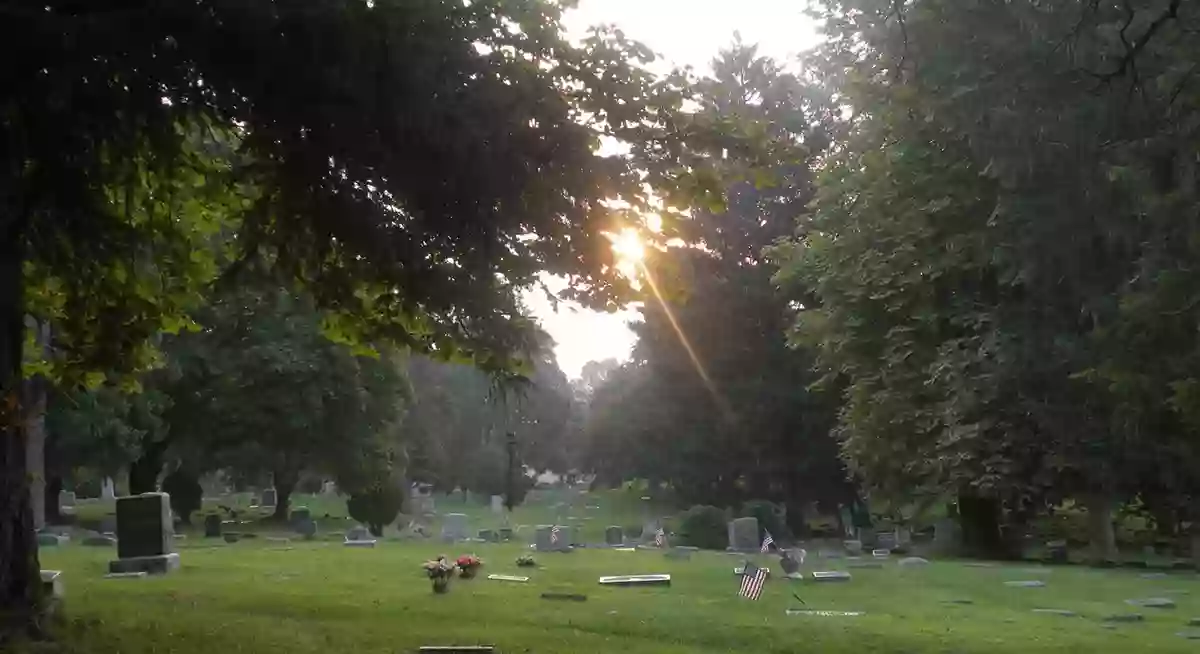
[(468, 565), (440, 572), (526, 561)]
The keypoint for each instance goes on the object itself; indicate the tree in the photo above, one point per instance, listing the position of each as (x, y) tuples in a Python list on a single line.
[(392, 157), (714, 403)]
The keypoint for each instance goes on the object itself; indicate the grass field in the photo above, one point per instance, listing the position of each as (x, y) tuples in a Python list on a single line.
[(255, 596)]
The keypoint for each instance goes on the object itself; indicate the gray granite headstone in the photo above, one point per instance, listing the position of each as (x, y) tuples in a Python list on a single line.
[(1153, 602), (454, 528), (743, 534), (543, 541), (853, 547), (269, 498), (66, 498), (300, 514), (497, 504), (306, 528), (1025, 584), (831, 575), (913, 561), (614, 535), (505, 533), (358, 532), (790, 566)]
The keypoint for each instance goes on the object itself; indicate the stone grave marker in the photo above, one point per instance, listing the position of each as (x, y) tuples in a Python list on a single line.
[(300, 514), (789, 565), (108, 490), (269, 498), (1189, 634), (1025, 584), (1056, 551), (454, 528), (913, 561), (886, 540), (853, 547), (825, 614), (497, 504), (512, 578), (571, 597), (1059, 612), (681, 553), (831, 575), (145, 535), (1152, 602), (505, 533), (488, 535), (743, 534), (457, 649), (307, 529), (52, 584), (99, 540), (614, 536), (212, 526), (357, 532), (636, 580), (231, 537), (66, 499), (125, 575), (1124, 617), (881, 553), (864, 565), (48, 539)]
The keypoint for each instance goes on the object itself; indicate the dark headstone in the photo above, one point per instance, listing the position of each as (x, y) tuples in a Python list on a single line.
[(573, 597), (144, 525), (232, 537), (505, 533), (614, 535), (1124, 617), (212, 526), (300, 514)]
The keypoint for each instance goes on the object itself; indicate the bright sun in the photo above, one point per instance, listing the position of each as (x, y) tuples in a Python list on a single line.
[(630, 251)]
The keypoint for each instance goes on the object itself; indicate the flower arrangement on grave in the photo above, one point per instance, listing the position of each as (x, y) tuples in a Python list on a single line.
[(525, 561), (468, 565), (440, 571)]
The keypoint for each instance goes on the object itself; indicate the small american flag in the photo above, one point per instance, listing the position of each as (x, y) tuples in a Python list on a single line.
[(660, 538), (554, 535), (753, 579), (767, 542)]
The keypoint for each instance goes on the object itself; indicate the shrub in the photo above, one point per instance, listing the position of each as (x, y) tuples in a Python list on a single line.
[(376, 507), (185, 492), (769, 519), (704, 527)]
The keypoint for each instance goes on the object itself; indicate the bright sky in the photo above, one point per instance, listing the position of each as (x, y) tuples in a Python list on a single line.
[(685, 32)]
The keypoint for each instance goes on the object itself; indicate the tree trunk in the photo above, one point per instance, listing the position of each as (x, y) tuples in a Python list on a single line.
[(1100, 528), (285, 482), (54, 486), (20, 583), (35, 448), (979, 518), (143, 473)]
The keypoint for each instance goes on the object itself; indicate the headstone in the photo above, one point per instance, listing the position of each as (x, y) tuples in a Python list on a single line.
[(212, 526), (329, 488), (505, 533), (636, 580), (367, 543), (145, 536), (825, 614), (306, 528), (125, 575), (1025, 584), (300, 514), (847, 520), (497, 504), (52, 584), (543, 541), (1056, 551), (358, 532), (108, 489), (66, 499), (572, 597), (881, 553), (1059, 612), (269, 498), (1190, 634), (913, 561), (886, 540), (99, 540), (508, 578), (946, 536), (457, 649), (864, 565), (789, 565), (743, 534), (1124, 617), (831, 575), (108, 525), (903, 537), (46, 539), (455, 527), (1153, 575), (488, 535), (682, 553), (853, 547), (1194, 622), (1153, 603), (614, 536), (232, 537)]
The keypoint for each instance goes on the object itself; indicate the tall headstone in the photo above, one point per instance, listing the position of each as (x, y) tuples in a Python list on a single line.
[(947, 538), (108, 489), (269, 498), (145, 535), (743, 534), (497, 504), (847, 520), (614, 535), (455, 527), (329, 488)]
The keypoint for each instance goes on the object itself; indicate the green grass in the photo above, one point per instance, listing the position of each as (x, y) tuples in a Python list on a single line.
[(321, 597)]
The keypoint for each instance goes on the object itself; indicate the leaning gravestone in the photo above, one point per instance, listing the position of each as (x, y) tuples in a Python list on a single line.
[(743, 534), (455, 527), (614, 536), (269, 498), (145, 536), (212, 526)]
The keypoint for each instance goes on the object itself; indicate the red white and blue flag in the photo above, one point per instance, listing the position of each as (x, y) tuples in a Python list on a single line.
[(554, 535), (660, 538), (753, 579), (767, 542)]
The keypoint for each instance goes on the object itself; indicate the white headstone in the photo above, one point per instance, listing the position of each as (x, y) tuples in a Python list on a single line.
[(108, 489), (455, 527), (497, 504)]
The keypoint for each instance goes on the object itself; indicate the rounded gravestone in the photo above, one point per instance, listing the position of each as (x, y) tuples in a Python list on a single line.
[(743, 534), (212, 526), (614, 535), (300, 514), (307, 528)]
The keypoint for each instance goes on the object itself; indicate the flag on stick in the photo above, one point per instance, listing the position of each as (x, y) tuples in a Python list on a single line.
[(660, 538), (767, 542), (753, 579), (554, 535)]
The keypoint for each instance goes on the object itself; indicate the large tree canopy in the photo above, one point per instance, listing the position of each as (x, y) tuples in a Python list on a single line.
[(413, 164)]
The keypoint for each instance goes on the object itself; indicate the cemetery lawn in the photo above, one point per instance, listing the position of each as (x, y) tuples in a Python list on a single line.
[(258, 596)]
